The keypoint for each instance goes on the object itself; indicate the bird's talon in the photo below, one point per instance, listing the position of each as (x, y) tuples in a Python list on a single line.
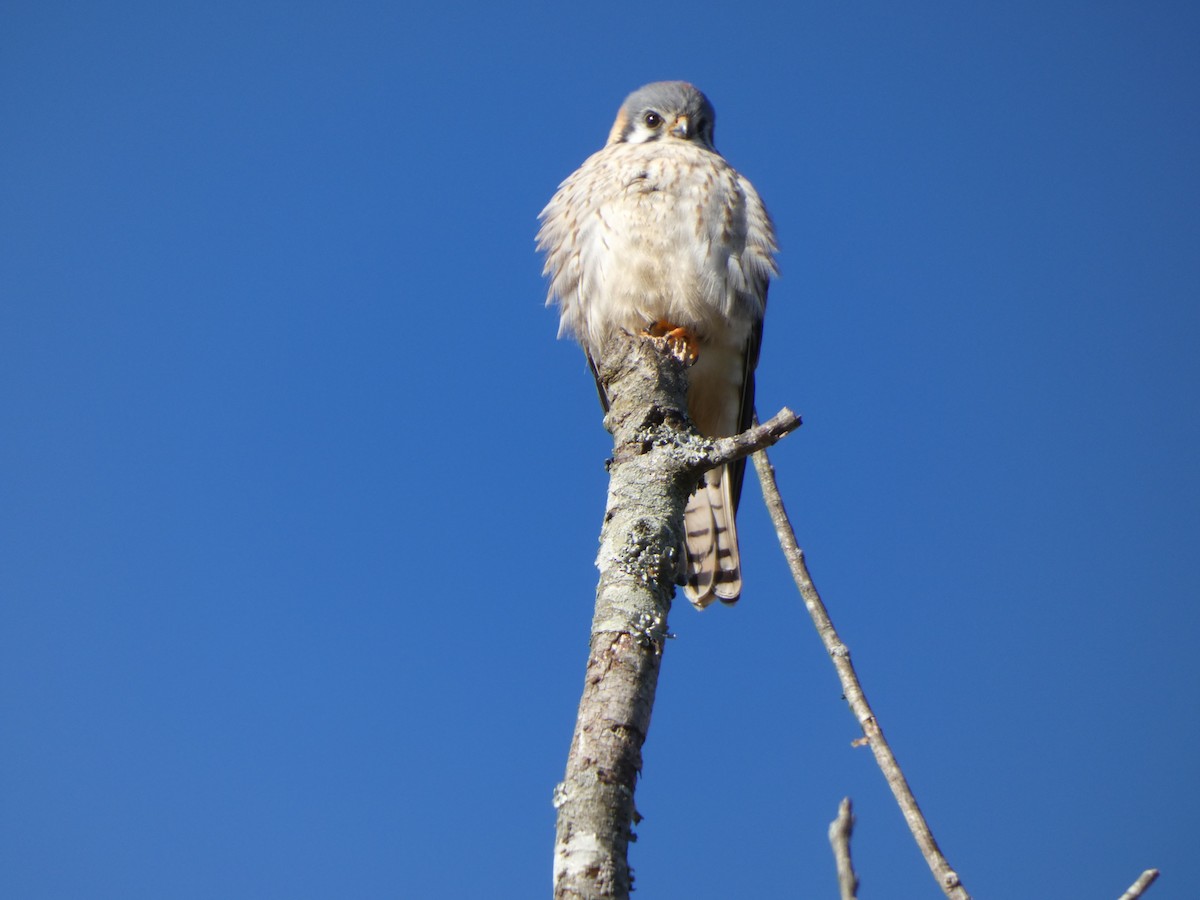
[(678, 339)]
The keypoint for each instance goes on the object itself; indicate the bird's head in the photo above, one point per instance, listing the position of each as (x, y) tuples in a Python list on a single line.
[(665, 110)]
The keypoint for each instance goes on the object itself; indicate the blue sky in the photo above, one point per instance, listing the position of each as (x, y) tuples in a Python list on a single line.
[(300, 494)]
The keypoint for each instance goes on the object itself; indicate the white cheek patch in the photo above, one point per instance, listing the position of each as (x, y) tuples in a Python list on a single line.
[(641, 135)]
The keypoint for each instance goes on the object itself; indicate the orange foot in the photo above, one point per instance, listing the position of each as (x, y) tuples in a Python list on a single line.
[(681, 341)]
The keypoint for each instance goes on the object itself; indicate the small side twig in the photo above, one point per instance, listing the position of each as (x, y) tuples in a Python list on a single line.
[(840, 830), (1138, 888), (946, 877), (756, 437)]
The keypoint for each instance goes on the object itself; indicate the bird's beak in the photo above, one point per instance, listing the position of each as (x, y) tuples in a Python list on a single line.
[(681, 127)]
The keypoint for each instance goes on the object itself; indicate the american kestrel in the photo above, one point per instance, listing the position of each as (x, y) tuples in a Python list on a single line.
[(657, 232)]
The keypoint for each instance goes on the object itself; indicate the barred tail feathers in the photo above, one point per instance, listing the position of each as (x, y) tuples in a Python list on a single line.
[(714, 569)]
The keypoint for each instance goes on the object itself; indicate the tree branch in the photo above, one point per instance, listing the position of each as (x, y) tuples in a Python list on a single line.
[(840, 830), (757, 437), (637, 562), (657, 460), (1139, 887), (946, 877)]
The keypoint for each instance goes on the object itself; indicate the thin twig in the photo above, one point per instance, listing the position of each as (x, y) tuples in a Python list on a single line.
[(1139, 887), (840, 830), (946, 877), (755, 438)]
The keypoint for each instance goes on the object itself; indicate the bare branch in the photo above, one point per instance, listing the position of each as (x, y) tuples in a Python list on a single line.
[(638, 562), (657, 460), (840, 830), (946, 877), (1138, 888)]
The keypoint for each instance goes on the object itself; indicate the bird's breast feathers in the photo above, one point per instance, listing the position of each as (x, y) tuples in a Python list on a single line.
[(660, 231)]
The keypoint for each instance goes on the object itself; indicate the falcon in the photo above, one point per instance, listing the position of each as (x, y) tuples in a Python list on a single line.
[(657, 234)]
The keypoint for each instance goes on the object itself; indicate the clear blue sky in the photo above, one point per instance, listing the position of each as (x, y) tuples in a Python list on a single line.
[(300, 495)]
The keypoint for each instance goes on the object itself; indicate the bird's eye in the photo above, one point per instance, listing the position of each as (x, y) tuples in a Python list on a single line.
[(652, 119)]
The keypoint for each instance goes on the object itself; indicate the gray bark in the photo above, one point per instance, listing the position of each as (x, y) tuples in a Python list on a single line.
[(639, 545), (657, 461), (840, 830)]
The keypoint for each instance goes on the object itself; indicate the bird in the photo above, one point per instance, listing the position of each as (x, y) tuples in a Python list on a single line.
[(655, 233)]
